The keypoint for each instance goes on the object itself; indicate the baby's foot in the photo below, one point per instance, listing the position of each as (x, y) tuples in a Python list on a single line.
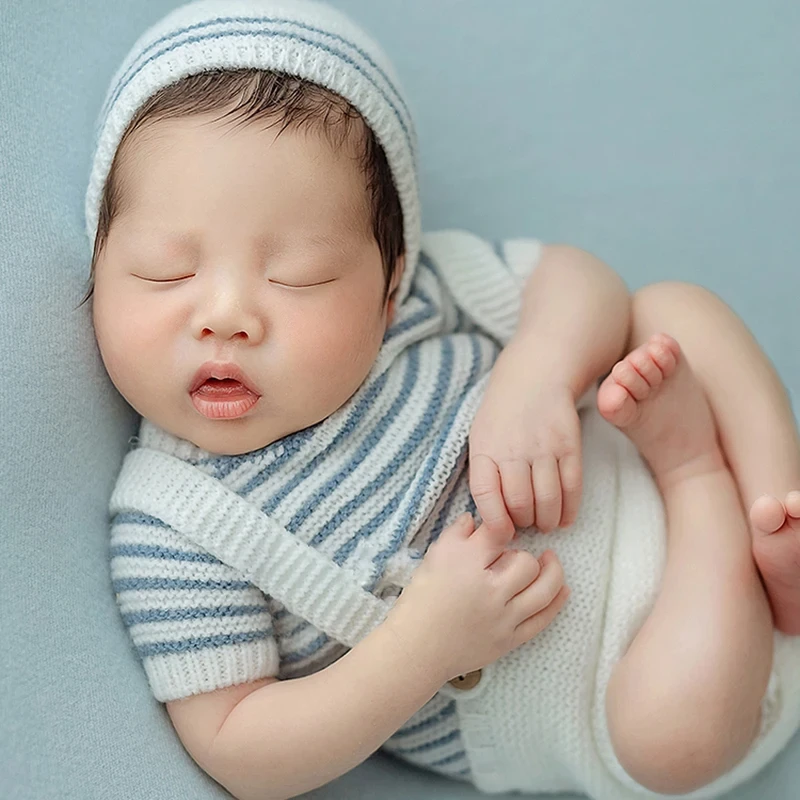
[(776, 550), (653, 396)]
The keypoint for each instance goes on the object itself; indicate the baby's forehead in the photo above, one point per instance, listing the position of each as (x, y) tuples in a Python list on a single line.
[(180, 161), (157, 136)]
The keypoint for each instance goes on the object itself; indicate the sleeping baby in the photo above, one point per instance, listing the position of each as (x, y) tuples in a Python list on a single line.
[(470, 502)]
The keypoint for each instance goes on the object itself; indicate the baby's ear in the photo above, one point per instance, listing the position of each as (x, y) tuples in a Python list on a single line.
[(391, 303)]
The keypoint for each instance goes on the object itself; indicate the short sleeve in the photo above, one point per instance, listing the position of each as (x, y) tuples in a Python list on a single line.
[(196, 624), (484, 280)]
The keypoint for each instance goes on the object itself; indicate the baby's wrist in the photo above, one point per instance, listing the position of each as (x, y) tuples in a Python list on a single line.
[(418, 649), (536, 367)]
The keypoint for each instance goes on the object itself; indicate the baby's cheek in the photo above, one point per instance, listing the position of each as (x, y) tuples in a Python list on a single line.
[(343, 351), (128, 337), (137, 334)]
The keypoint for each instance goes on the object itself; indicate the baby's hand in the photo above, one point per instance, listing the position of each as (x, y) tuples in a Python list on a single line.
[(525, 454), (471, 601)]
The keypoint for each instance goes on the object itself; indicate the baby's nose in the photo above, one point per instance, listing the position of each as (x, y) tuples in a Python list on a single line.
[(228, 315)]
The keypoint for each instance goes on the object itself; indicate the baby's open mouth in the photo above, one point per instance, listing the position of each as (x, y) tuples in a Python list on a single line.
[(222, 387), (223, 398), (222, 391)]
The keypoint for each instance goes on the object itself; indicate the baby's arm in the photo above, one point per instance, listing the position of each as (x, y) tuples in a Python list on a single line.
[(574, 321), (469, 603), (278, 739), (525, 461)]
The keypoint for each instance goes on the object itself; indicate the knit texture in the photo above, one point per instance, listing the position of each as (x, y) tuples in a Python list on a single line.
[(365, 492), (368, 489), (298, 37)]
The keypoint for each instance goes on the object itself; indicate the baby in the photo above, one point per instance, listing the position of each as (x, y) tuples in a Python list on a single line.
[(324, 540)]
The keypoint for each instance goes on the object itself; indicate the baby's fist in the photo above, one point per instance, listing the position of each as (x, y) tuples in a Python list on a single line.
[(525, 459)]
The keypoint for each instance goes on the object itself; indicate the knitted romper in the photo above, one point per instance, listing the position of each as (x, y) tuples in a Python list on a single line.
[(232, 568)]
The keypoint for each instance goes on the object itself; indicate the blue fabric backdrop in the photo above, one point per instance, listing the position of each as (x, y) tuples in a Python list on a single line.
[(664, 137)]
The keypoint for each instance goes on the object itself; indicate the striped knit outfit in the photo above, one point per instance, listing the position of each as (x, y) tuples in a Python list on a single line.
[(370, 487)]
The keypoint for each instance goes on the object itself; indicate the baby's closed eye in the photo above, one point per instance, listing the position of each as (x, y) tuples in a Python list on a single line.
[(163, 280), (299, 285)]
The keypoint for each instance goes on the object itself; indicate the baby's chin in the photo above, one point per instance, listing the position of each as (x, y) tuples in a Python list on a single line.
[(224, 437), (232, 437)]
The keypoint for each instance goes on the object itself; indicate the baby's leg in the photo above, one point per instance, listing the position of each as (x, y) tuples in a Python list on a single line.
[(754, 418), (683, 704)]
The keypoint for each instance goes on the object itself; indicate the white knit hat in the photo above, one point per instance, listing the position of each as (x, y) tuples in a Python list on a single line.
[(303, 38)]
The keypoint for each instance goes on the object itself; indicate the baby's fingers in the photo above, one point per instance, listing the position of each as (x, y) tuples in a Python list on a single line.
[(517, 570), (484, 484), (542, 591), (547, 491), (515, 480), (571, 473), (534, 625)]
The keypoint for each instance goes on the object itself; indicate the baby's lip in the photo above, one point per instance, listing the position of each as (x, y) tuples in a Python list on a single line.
[(221, 370)]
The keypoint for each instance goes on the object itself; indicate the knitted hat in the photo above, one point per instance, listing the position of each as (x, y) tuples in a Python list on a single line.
[(303, 38)]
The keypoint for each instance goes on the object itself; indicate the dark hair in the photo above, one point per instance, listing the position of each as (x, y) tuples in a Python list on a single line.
[(251, 95)]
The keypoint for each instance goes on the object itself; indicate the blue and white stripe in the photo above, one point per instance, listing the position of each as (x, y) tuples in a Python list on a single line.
[(222, 27), (370, 487)]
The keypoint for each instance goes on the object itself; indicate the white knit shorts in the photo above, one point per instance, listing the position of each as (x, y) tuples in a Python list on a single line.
[(536, 720)]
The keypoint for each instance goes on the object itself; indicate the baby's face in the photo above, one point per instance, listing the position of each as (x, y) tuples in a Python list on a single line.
[(236, 246)]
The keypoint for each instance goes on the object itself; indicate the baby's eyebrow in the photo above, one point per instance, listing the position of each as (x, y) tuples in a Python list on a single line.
[(183, 243), (345, 231), (157, 241), (337, 239), (327, 239)]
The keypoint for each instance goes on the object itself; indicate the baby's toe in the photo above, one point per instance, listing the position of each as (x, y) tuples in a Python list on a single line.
[(767, 514), (792, 505), (646, 365), (615, 403), (626, 374), (665, 351)]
